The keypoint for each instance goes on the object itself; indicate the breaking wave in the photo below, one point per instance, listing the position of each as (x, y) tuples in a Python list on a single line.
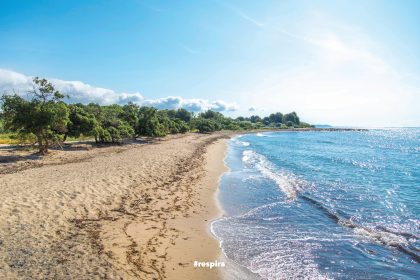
[(293, 188), (337, 205), (289, 184), (402, 241)]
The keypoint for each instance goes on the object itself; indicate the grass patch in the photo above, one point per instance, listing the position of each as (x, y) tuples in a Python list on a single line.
[(7, 138), (81, 138), (13, 139)]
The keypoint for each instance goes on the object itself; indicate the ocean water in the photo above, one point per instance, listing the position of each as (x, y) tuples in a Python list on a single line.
[(323, 205)]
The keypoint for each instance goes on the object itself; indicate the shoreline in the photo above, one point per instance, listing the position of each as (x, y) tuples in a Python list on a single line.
[(202, 245), (262, 184), (137, 211)]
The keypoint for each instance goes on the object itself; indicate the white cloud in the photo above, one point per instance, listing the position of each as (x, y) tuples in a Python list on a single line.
[(194, 105), (85, 93), (77, 91), (10, 80)]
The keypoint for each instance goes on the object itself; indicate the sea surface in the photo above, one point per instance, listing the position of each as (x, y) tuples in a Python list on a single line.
[(323, 205)]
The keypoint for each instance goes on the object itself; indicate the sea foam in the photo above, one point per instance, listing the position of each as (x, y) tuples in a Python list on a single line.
[(322, 205), (288, 184)]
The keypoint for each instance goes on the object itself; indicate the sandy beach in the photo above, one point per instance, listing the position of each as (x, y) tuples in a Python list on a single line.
[(135, 211)]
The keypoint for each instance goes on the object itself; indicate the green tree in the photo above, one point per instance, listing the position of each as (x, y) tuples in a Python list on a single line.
[(45, 115), (96, 110), (276, 118), (2, 129), (149, 123), (118, 132), (209, 114), (183, 115), (114, 124), (172, 124), (255, 119), (305, 125), (81, 122), (206, 125), (183, 127), (130, 114), (266, 121), (246, 125), (291, 117)]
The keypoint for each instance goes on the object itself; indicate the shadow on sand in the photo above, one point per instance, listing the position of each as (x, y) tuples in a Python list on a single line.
[(15, 153)]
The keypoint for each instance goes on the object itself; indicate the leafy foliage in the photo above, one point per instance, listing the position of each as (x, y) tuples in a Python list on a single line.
[(183, 115), (276, 118), (207, 125), (2, 128), (149, 123), (45, 115), (81, 122), (44, 118), (291, 117)]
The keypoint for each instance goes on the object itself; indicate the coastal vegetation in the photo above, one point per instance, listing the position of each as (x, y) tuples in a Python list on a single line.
[(44, 118)]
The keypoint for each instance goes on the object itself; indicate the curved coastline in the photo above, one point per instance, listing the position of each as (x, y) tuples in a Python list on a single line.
[(232, 270), (364, 239)]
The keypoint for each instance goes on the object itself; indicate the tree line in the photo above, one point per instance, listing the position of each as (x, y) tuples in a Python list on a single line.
[(44, 118)]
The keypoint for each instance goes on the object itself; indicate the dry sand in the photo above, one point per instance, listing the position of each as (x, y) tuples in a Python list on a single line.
[(138, 211)]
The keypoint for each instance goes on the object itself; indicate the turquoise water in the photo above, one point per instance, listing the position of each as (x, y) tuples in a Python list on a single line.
[(323, 205)]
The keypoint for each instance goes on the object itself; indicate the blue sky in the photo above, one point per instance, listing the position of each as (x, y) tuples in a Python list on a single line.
[(337, 62)]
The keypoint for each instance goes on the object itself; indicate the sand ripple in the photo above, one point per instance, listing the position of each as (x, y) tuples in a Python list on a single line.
[(103, 215)]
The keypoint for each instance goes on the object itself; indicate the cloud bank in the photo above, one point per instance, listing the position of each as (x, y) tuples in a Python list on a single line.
[(85, 93), (193, 105), (76, 90)]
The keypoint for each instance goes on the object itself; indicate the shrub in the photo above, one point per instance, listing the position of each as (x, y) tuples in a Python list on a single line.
[(45, 115), (207, 125)]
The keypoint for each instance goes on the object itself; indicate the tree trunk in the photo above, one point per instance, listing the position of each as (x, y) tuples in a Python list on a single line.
[(46, 145), (44, 138), (41, 147)]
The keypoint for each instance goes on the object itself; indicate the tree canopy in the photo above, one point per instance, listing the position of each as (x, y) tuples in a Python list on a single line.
[(45, 116)]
